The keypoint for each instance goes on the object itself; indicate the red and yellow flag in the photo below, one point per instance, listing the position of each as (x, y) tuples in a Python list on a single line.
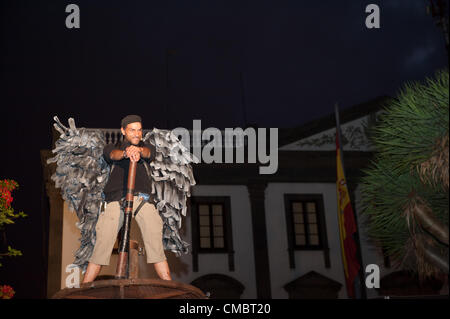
[(347, 225)]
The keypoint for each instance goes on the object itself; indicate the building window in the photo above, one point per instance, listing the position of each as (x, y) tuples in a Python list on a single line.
[(305, 220), (211, 227), (306, 224)]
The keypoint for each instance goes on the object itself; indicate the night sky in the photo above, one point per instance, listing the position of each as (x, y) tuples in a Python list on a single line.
[(296, 58)]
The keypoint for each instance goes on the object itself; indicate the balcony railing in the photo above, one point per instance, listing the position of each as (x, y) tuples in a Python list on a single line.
[(112, 135)]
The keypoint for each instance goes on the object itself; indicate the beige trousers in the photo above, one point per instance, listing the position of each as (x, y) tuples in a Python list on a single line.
[(149, 222)]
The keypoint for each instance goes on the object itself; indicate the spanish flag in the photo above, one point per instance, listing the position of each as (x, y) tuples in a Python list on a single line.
[(347, 225)]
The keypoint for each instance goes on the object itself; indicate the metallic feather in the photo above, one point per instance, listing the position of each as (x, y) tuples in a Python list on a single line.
[(81, 169)]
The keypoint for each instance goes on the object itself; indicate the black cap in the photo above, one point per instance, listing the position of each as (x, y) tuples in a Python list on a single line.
[(130, 119)]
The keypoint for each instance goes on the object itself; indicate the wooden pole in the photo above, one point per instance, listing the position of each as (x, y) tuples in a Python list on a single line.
[(122, 263)]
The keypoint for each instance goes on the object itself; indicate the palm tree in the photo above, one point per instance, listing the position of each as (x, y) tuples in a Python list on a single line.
[(405, 188)]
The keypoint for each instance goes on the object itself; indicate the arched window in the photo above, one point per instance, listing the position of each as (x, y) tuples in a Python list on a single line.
[(219, 286)]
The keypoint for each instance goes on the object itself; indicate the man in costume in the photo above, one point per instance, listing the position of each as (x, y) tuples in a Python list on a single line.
[(91, 174), (118, 156)]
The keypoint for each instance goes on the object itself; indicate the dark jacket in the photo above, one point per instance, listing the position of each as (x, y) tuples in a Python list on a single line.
[(116, 187)]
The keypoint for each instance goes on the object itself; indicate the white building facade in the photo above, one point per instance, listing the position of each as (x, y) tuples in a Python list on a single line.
[(267, 236)]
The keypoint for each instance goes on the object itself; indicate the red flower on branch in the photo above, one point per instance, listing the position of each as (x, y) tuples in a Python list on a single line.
[(6, 292), (6, 187), (7, 216)]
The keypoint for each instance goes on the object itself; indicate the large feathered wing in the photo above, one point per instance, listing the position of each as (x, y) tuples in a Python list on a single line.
[(172, 177), (81, 174)]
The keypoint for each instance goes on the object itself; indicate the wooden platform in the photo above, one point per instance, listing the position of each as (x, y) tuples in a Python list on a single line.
[(132, 289)]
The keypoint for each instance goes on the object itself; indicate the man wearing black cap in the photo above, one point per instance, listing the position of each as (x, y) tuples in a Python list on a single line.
[(148, 219)]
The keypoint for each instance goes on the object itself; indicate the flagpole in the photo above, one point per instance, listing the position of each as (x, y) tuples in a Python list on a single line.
[(363, 294), (338, 131)]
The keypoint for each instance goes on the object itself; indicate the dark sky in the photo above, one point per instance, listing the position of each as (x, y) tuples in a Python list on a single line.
[(297, 59)]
